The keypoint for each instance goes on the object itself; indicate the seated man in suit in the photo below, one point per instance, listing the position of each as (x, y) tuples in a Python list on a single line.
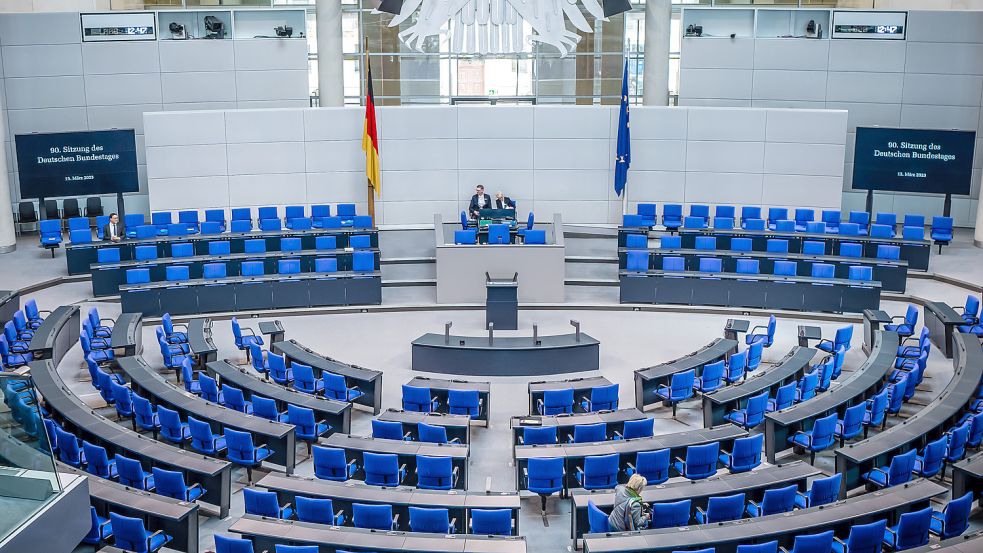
[(479, 201), (113, 232), (503, 202)]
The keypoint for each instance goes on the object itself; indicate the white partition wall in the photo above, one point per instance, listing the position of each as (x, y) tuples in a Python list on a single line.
[(548, 159), (932, 79)]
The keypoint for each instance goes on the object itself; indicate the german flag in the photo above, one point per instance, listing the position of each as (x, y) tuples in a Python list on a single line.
[(370, 138)]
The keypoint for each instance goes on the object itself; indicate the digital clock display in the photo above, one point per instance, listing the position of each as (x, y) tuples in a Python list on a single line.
[(870, 29), (118, 31)]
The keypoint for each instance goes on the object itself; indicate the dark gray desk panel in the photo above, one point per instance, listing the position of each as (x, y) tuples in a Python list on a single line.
[(406, 452), (858, 387), (506, 356), (791, 367), (738, 290), (80, 257), (150, 384), (214, 475), (941, 320), (344, 494), (647, 380), (726, 536), (9, 304), (893, 275), (581, 387), (752, 483), (915, 252), (457, 426), (970, 542), (200, 342), (573, 454), (967, 476), (873, 319), (928, 424), (127, 337), (176, 518), (57, 334), (439, 388), (266, 533), (369, 381), (337, 414), (273, 329), (107, 277), (615, 421)]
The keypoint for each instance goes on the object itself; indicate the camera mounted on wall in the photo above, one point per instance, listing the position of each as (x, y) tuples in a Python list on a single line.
[(694, 30), (284, 31), (177, 30), (214, 28)]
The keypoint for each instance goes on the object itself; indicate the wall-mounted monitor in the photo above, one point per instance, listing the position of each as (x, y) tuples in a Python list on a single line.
[(77, 163), (878, 25), (913, 160)]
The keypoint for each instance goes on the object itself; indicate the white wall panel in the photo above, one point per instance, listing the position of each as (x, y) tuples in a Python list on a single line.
[(854, 86), (334, 155), (806, 126), (119, 117), (266, 158), (573, 154), (40, 28), (725, 157), (881, 56), (278, 125), (411, 186), (268, 189), (272, 85), (179, 56), (333, 124), (704, 53), (172, 129), (110, 58), (273, 104), (418, 155), (264, 54), (200, 160), (944, 58), (581, 212), (939, 117), (415, 123), (495, 154), (42, 60), (941, 26), (800, 191), (22, 121), (44, 92), (787, 104), (661, 186), (515, 183), (786, 158), (943, 90), (217, 86), (809, 55), (123, 89), (731, 188), (658, 155), (337, 187), (572, 122), (725, 84), (782, 84), (869, 114), (659, 124), (727, 124), (173, 193), (713, 102), (572, 185), (505, 122), (418, 213)]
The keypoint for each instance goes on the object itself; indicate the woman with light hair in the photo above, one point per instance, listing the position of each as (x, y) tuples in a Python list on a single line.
[(630, 513)]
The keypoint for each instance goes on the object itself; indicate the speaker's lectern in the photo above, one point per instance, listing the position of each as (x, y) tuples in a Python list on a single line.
[(502, 303)]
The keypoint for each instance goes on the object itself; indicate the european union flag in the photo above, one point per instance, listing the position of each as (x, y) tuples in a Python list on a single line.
[(623, 160)]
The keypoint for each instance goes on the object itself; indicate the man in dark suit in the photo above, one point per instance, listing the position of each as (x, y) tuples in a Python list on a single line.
[(503, 202), (479, 201), (113, 232)]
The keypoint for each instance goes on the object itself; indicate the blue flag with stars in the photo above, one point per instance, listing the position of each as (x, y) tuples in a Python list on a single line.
[(623, 159)]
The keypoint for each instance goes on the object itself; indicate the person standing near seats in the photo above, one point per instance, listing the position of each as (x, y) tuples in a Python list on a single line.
[(113, 231), (479, 201), (503, 202), (629, 512)]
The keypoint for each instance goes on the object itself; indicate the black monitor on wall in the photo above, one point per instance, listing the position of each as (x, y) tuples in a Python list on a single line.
[(913, 160), (83, 163)]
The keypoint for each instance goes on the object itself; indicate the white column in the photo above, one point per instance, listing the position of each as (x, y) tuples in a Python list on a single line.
[(658, 17), (330, 67), (978, 237), (8, 239)]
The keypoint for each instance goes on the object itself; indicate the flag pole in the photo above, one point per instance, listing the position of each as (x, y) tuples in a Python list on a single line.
[(365, 67)]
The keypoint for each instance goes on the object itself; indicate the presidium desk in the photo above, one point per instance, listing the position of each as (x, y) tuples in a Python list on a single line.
[(461, 268)]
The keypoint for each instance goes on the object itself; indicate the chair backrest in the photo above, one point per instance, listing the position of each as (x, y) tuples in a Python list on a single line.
[(912, 530), (741, 244), (314, 509), (778, 500), (469, 236), (776, 214), (722, 508), (754, 224), (955, 516), (387, 430), (264, 407), (889, 252), (747, 451), (630, 220), (545, 475), (381, 469), (377, 517), (823, 270), (711, 265), (288, 266), (824, 490), (417, 398), (330, 463), (228, 544), (498, 234), (712, 375), (776, 245), (252, 268), (723, 223), (596, 518), (558, 401), (844, 335), (642, 428), (816, 227), (431, 433), (913, 233), (433, 520), (750, 212), (671, 242), (785, 268), (261, 502), (701, 460), (813, 543), (942, 224), (813, 247), (866, 538), (785, 396), (756, 407), (601, 471), (604, 398), (673, 263), (585, 433), (170, 483), (671, 514), (724, 211), (653, 465), (706, 243), (464, 402), (681, 385), (673, 213), (957, 441), (240, 446), (434, 473), (850, 229), (853, 419), (363, 262), (129, 533), (637, 261), (130, 472), (881, 231), (538, 435)]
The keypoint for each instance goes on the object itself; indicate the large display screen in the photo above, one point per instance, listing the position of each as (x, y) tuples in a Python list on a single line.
[(913, 160), (77, 163)]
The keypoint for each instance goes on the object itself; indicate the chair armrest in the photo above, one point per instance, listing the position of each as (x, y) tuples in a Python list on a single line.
[(452, 525), (756, 328), (322, 421), (679, 460), (395, 521), (283, 508), (454, 441), (104, 523), (407, 437), (570, 438), (880, 470), (103, 319), (701, 511), (245, 329), (891, 530), (631, 466), (195, 485), (402, 468), (151, 537), (804, 497), (539, 405), (755, 503), (808, 436), (619, 434), (256, 450), (896, 317)]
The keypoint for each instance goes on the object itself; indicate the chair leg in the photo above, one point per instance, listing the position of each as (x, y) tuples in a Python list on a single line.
[(812, 458), (674, 409), (249, 476)]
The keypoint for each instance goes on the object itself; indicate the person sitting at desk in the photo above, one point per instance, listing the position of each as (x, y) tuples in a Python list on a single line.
[(479, 201), (113, 232), (503, 202)]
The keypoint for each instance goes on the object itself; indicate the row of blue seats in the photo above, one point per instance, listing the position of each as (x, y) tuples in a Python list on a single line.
[(15, 341), (362, 262), (777, 218), (912, 530), (223, 247), (638, 262), (971, 316), (499, 234), (773, 245), (319, 216), (376, 516), (226, 544)]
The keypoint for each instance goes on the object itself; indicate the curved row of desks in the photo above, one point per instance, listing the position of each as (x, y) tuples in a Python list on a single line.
[(761, 291), (858, 387), (9, 304), (753, 483), (146, 381), (726, 536), (337, 414), (457, 426), (892, 274), (615, 421), (928, 424), (215, 475), (266, 533), (581, 388), (441, 387), (789, 369), (405, 453), (505, 355), (344, 494), (647, 380), (176, 518), (57, 334), (108, 277), (573, 454), (368, 381), (80, 257)]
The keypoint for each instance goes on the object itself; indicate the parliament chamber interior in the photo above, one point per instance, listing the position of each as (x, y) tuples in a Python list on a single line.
[(494, 276)]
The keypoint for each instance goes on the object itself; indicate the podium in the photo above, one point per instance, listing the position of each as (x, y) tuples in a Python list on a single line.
[(502, 303)]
